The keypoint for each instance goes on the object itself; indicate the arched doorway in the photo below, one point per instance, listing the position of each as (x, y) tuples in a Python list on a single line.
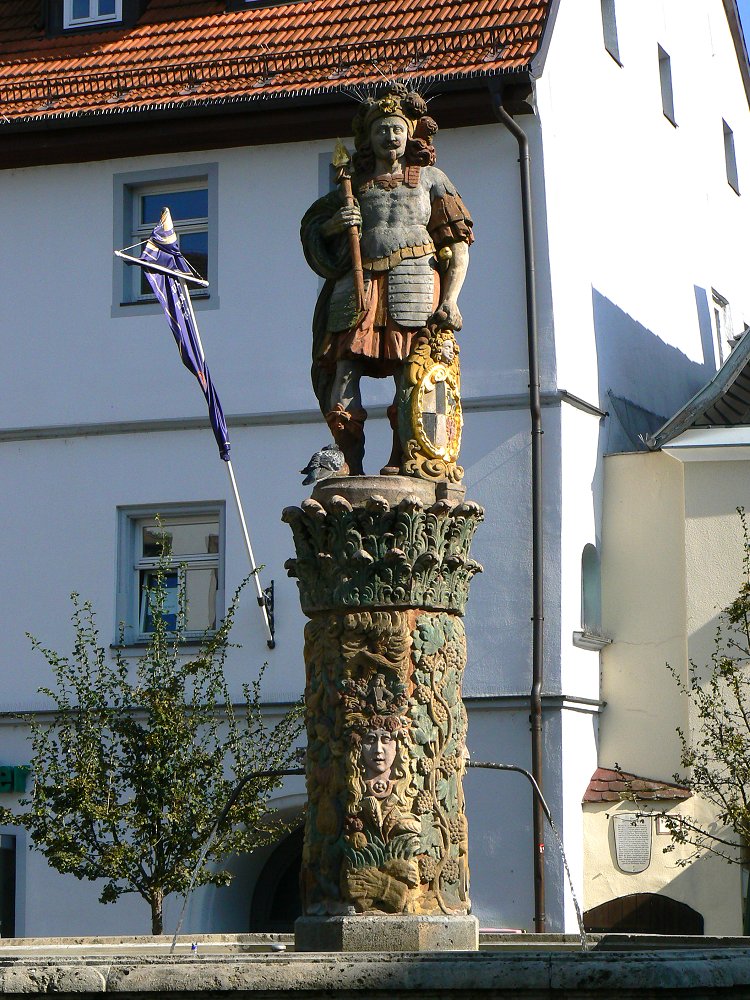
[(643, 913), (276, 900)]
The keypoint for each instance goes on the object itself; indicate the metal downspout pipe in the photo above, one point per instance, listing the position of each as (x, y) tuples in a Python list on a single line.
[(537, 540)]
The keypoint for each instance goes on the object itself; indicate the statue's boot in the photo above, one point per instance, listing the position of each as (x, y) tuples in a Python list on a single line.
[(393, 465), (348, 430)]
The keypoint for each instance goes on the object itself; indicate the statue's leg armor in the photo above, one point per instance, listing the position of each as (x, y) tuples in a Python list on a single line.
[(346, 418), (393, 465)]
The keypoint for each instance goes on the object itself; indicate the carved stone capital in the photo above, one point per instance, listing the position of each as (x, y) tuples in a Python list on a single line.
[(408, 550)]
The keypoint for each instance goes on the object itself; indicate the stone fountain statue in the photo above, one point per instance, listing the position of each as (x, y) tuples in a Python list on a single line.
[(383, 562), (389, 306)]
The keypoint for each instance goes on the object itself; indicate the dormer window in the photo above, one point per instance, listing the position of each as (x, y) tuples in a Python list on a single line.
[(88, 13)]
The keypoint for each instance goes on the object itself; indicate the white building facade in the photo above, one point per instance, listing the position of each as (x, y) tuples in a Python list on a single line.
[(637, 116)]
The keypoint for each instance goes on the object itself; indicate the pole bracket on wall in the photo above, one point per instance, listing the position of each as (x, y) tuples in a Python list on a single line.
[(268, 603)]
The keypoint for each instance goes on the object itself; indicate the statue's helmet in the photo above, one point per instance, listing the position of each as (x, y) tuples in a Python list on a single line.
[(398, 102)]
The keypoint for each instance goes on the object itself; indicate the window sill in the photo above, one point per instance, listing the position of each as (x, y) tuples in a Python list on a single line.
[(593, 641), (70, 29), (142, 307), (153, 301), (136, 648)]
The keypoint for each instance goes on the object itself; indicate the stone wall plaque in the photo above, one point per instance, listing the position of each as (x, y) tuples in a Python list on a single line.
[(632, 842)]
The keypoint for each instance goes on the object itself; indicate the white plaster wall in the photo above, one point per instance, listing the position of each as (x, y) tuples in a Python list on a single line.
[(80, 366), (672, 559), (579, 668), (580, 727), (708, 885), (642, 225), (75, 364), (713, 546), (499, 811), (61, 534), (642, 222), (644, 612), (500, 851), (580, 526), (60, 530), (714, 571), (498, 621)]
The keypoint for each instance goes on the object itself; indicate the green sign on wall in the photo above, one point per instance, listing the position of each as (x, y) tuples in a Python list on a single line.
[(13, 778)]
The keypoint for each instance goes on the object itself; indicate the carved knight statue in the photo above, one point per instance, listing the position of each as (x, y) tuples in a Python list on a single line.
[(392, 293)]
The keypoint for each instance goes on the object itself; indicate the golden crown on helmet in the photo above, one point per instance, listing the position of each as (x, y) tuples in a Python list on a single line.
[(398, 102)]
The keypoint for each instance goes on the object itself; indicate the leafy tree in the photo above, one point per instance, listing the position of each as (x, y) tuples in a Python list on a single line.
[(716, 750), (136, 764)]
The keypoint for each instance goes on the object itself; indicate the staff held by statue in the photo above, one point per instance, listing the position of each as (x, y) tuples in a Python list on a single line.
[(342, 163)]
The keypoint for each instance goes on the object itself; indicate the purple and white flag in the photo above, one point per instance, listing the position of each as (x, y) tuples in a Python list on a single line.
[(163, 249)]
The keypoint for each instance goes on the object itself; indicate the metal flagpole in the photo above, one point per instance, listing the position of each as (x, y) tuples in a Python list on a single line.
[(270, 641)]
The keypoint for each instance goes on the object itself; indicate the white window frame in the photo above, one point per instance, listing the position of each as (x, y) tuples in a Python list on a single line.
[(140, 233), (127, 189), (69, 21), (723, 326), (130, 563)]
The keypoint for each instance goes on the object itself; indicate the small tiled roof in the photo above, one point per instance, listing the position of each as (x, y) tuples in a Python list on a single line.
[(184, 53), (614, 786)]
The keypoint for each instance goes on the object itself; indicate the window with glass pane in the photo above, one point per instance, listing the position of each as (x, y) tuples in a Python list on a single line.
[(191, 544), (188, 206), (77, 13)]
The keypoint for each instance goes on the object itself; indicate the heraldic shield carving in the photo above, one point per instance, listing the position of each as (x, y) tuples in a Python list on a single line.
[(430, 416)]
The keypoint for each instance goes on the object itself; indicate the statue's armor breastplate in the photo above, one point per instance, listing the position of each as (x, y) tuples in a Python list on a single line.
[(393, 220)]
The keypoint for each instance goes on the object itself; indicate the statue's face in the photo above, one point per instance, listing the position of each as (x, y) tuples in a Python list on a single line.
[(378, 752), (388, 137), (447, 351)]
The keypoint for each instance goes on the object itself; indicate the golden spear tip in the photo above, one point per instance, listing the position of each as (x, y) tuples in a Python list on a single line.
[(341, 155)]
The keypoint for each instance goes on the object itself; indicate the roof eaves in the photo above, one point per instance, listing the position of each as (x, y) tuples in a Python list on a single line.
[(715, 388), (211, 104)]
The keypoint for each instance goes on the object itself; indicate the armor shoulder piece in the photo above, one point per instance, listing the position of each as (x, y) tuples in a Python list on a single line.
[(438, 183)]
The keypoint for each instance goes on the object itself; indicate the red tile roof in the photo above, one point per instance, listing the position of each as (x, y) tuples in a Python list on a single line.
[(614, 786), (193, 52)]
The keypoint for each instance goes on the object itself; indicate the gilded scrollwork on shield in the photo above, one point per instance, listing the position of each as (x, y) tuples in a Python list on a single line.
[(430, 417)]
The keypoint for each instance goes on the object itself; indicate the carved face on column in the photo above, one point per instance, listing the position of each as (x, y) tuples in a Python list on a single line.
[(447, 352), (378, 752)]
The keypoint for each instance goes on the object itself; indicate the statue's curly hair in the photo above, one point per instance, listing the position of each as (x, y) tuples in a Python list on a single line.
[(406, 103)]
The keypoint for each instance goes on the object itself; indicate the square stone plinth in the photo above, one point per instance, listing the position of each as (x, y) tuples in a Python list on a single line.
[(388, 934)]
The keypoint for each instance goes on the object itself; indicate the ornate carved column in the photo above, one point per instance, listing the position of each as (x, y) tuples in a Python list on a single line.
[(383, 568), (383, 562)]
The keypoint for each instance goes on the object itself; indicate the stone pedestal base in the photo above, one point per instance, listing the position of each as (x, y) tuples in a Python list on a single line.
[(386, 934), (360, 489)]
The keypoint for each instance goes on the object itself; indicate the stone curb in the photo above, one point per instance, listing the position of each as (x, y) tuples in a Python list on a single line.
[(699, 972)]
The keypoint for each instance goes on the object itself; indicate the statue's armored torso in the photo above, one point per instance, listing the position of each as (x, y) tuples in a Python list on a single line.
[(393, 218), (395, 238)]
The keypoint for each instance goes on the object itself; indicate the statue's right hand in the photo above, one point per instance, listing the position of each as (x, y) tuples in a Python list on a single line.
[(346, 218)]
